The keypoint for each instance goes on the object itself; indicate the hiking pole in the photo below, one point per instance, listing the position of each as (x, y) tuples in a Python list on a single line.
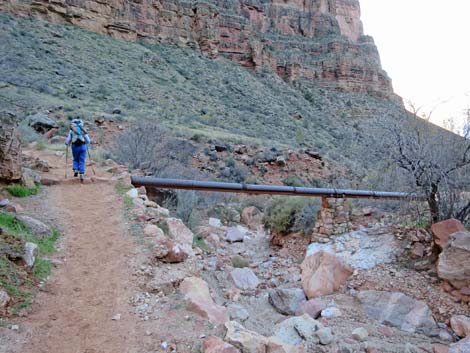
[(66, 159), (91, 161)]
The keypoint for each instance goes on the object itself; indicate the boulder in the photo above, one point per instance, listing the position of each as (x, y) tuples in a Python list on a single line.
[(196, 293), (30, 253), (234, 234), (286, 300), (38, 228), (454, 261), (238, 312), (442, 231), (4, 299), (180, 234), (460, 324), (245, 340), (214, 344), (13, 208), (175, 253), (312, 307), (4, 202), (30, 178), (362, 249), (41, 122), (252, 217), (462, 346), (151, 230), (295, 330), (215, 222), (10, 149), (323, 274), (398, 310), (244, 278)]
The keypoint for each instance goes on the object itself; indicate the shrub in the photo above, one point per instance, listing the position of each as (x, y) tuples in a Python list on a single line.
[(297, 214), (281, 213), (293, 180)]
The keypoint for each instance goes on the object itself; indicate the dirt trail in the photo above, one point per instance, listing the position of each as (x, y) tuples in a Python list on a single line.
[(93, 284)]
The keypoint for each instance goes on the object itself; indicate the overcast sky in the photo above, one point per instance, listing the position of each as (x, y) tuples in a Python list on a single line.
[(425, 48)]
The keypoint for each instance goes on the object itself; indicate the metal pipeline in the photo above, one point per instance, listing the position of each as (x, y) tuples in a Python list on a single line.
[(161, 183)]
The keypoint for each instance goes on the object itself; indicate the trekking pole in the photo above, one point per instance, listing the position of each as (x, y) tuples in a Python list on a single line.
[(91, 161), (66, 159)]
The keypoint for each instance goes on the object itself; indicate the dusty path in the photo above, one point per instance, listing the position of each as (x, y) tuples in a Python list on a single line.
[(94, 283)]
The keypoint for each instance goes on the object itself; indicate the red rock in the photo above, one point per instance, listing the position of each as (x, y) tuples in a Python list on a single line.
[(252, 217), (49, 181), (13, 208), (238, 32), (439, 348), (386, 331), (214, 344), (465, 291), (447, 287), (442, 231), (454, 260), (10, 150), (196, 293), (417, 251), (460, 324), (312, 307), (142, 190), (323, 274)]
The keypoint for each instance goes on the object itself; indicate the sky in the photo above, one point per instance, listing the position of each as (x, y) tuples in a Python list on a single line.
[(424, 46)]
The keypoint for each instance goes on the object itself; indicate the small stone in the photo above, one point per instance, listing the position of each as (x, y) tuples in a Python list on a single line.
[(238, 312), (244, 278), (286, 300), (30, 253), (164, 345), (215, 222), (324, 335), (409, 348), (312, 307), (330, 313), (133, 193), (116, 317), (360, 334), (14, 327), (234, 235), (440, 348), (239, 262)]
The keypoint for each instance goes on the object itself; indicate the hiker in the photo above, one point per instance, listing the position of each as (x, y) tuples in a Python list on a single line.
[(79, 139)]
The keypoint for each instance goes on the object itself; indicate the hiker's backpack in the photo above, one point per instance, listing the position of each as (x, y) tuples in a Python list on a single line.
[(78, 132)]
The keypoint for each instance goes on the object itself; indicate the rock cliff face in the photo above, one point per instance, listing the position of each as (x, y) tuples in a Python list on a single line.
[(320, 40)]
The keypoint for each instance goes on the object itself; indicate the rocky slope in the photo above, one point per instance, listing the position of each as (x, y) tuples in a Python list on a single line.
[(319, 40)]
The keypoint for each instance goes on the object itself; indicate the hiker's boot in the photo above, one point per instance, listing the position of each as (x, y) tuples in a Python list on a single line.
[(75, 173), (82, 177)]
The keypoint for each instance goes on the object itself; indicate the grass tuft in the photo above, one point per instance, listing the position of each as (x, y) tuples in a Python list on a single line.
[(22, 191)]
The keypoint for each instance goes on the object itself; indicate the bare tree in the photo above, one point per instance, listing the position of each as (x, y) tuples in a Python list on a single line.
[(435, 162)]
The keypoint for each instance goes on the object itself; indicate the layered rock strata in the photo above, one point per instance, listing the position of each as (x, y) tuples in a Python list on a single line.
[(319, 40)]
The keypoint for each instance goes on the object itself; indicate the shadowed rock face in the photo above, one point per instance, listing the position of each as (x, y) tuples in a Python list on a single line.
[(10, 149), (319, 40)]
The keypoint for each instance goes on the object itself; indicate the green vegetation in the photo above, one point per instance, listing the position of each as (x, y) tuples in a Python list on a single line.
[(121, 189), (199, 242), (22, 191), (14, 278), (285, 214)]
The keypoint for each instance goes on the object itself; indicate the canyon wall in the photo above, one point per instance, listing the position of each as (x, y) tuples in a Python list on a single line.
[(320, 40)]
